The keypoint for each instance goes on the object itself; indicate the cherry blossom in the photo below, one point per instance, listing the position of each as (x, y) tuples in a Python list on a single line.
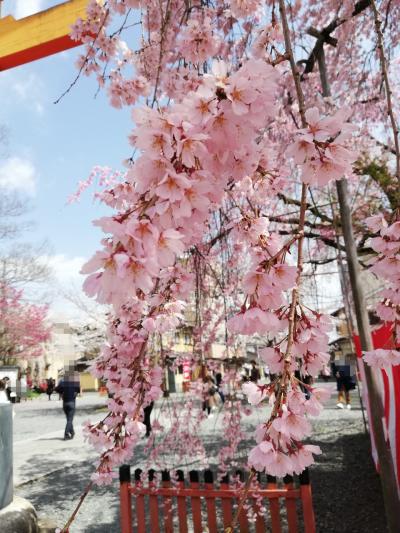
[(319, 149), (216, 130), (23, 327), (387, 266)]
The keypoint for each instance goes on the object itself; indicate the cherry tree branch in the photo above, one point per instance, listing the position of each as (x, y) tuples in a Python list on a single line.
[(313, 209), (388, 91), (324, 34), (86, 59), (284, 380)]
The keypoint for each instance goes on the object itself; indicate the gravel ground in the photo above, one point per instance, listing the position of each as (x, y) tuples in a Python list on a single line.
[(346, 488), (346, 491)]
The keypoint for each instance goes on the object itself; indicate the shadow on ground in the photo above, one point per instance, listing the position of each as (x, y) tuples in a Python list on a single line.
[(346, 488), (58, 493)]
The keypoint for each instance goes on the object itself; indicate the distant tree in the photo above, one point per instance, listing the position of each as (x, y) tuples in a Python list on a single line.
[(22, 324), (23, 328)]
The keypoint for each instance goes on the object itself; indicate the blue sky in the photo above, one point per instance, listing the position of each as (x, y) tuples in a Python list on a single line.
[(51, 147)]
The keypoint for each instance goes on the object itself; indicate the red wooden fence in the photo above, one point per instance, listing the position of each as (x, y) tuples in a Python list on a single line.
[(164, 507)]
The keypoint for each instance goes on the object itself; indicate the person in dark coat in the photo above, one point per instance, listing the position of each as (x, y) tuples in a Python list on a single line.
[(254, 372), (50, 387), (344, 384), (7, 385), (69, 388), (146, 421), (218, 381)]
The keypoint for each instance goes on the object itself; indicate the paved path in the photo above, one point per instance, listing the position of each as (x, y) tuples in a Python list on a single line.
[(52, 473), (39, 448)]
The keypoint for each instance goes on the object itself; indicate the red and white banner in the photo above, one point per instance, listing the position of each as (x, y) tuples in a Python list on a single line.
[(390, 389)]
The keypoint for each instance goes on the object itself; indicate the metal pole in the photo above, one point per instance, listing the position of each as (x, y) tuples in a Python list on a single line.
[(346, 304), (387, 474)]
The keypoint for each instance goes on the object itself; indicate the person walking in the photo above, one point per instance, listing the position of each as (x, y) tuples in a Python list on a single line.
[(344, 384), (50, 387), (209, 391), (254, 372), (7, 387), (146, 420), (218, 381), (69, 388), (3, 393)]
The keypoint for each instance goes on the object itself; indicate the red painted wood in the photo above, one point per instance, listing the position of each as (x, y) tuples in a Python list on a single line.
[(308, 510), (291, 511), (181, 503), (125, 507), (153, 508), (37, 52), (243, 522), (226, 504), (220, 493), (227, 495), (167, 504), (211, 510), (196, 509), (274, 508), (140, 511)]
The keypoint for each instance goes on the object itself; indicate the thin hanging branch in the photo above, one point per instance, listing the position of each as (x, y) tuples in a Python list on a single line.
[(85, 61), (284, 380), (388, 91)]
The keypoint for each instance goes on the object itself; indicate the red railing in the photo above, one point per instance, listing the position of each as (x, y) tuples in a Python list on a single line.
[(165, 506)]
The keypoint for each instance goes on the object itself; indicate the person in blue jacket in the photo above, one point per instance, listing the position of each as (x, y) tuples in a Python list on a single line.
[(69, 388)]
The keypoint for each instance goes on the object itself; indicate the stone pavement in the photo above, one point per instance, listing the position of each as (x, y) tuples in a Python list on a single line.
[(39, 448), (52, 473)]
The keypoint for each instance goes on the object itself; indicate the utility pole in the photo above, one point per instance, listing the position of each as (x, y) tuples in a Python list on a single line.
[(387, 474), (346, 302)]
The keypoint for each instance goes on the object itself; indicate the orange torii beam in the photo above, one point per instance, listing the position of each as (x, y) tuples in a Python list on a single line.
[(39, 35)]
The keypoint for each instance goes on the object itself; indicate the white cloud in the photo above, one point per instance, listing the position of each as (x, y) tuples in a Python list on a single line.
[(18, 174), (24, 8), (19, 88), (69, 303), (67, 268)]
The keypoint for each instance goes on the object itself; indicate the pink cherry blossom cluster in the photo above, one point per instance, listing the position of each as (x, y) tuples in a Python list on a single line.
[(190, 154), (320, 148), (387, 266), (279, 449), (265, 312), (266, 282), (309, 347), (133, 382), (126, 92), (105, 178), (233, 414), (175, 36), (198, 41), (211, 135)]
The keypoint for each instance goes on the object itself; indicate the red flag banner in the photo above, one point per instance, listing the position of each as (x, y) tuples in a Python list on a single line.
[(382, 337)]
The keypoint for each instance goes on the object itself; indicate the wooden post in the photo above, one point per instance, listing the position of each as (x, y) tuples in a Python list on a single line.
[(387, 474), (306, 502), (125, 499)]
